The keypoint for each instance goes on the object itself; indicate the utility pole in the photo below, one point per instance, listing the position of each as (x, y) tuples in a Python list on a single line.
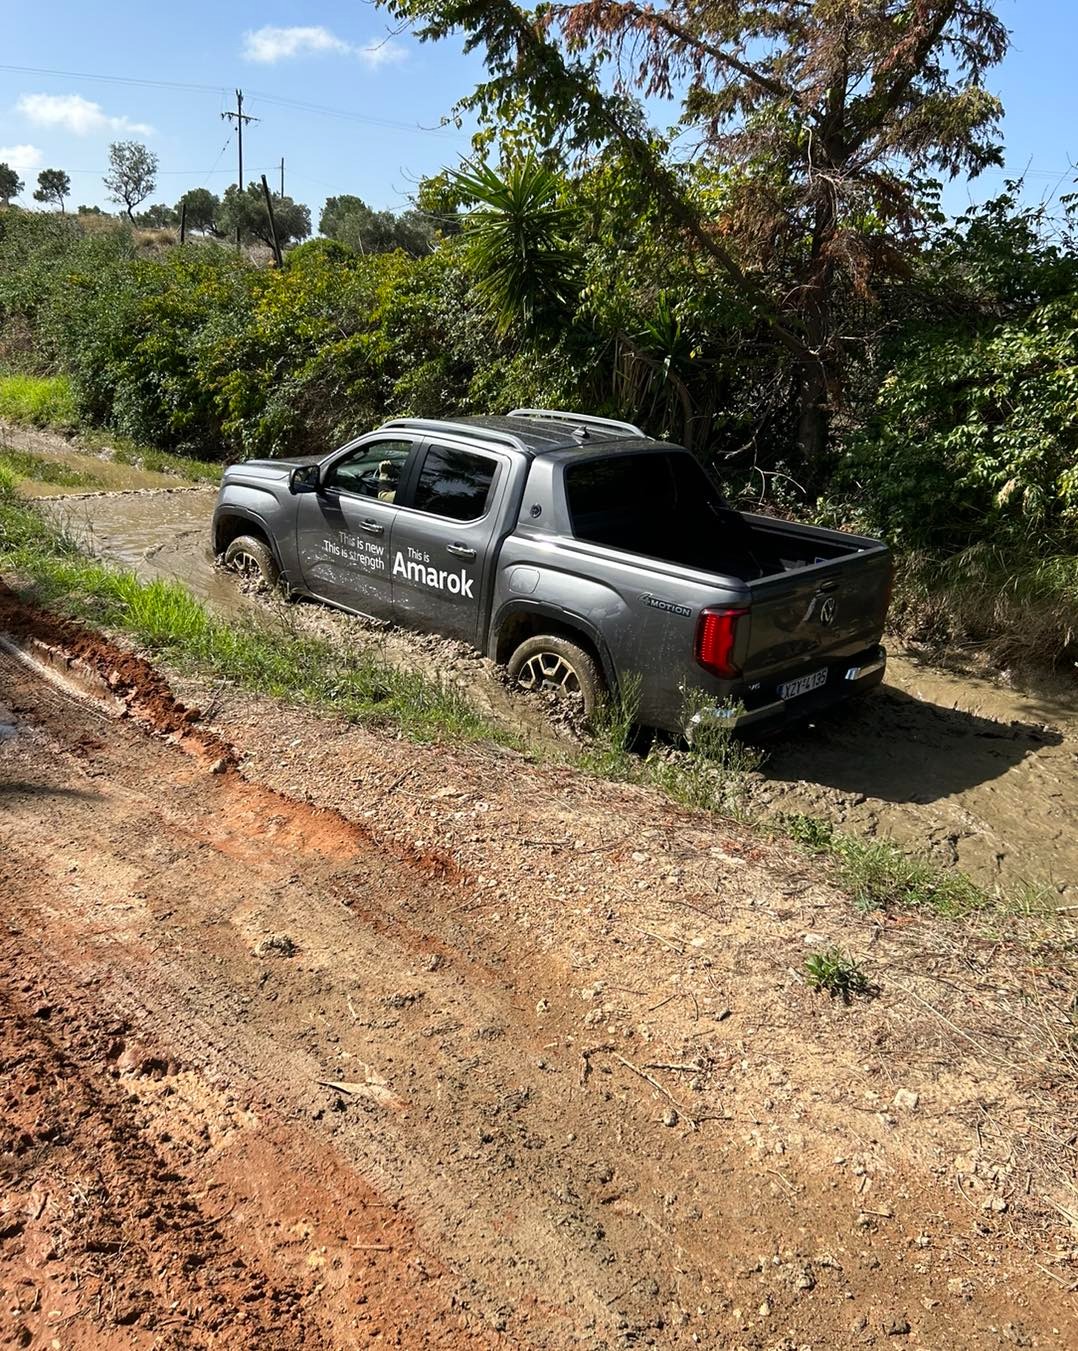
[(282, 175), (272, 222), (240, 117)]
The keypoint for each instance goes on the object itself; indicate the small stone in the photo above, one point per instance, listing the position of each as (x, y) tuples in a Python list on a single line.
[(764, 1310), (543, 1006), (906, 1099), (897, 1327), (806, 1281), (670, 1117), (276, 945), (219, 765), (996, 1203), (859, 1324)]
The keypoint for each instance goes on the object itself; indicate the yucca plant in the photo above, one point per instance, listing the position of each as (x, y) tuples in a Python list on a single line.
[(518, 241)]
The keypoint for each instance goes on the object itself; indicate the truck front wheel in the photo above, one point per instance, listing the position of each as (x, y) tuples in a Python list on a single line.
[(251, 558), (549, 662)]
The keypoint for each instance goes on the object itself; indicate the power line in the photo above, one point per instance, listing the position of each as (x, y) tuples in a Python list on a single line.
[(116, 79), (297, 105)]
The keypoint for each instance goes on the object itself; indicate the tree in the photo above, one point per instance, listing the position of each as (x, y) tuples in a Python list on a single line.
[(203, 210), (349, 219), (53, 185), (819, 122), (132, 174), (10, 184), (157, 217), (246, 211), (519, 243)]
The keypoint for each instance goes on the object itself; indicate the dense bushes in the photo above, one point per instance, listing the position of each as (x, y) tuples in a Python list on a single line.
[(196, 350), (971, 435)]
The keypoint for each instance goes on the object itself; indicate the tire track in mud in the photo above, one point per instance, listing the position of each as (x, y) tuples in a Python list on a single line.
[(520, 1179)]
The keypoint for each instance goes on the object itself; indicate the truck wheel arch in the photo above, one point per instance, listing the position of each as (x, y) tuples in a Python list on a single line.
[(232, 523), (525, 619)]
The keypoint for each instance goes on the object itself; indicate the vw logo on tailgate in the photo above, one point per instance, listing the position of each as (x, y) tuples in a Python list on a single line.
[(828, 611)]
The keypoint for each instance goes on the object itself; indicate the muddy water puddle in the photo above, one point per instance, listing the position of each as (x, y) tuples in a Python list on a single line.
[(971, 772), (164, 534), (48, 466)]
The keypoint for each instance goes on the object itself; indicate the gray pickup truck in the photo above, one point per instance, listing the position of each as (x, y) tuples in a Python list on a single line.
[(579, 553)]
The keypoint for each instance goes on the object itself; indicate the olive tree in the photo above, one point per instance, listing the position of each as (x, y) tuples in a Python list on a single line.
[(132, 174), (53, 185)]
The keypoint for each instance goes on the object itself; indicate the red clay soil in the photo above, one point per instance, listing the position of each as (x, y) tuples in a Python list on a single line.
[(364, 1044)]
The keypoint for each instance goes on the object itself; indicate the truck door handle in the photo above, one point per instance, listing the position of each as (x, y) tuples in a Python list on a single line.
[(460, 550), (372, 527)]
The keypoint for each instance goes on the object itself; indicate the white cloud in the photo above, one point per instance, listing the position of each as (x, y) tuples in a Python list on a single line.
[(22, 158), (269, 45), (75, 114), (277, 44)]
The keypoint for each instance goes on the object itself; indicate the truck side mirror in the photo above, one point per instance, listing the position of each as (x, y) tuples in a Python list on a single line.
[(303, 479)]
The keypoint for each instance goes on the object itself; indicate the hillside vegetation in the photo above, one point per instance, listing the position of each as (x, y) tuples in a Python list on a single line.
[(957, 435)]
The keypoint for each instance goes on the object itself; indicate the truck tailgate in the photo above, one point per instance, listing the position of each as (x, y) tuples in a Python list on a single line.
[(806, 618)]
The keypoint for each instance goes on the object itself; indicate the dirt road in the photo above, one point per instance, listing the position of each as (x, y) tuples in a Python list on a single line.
[(311, 1040), (975, 773)]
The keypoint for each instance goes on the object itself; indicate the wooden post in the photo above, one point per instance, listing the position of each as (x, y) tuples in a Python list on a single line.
[(273, 223), (183, 221)]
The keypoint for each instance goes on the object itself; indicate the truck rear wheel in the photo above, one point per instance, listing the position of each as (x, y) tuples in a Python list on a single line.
[(550, 662), (252, 559)]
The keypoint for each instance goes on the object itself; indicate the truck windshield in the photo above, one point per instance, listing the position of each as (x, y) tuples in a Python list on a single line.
[(658, 503)]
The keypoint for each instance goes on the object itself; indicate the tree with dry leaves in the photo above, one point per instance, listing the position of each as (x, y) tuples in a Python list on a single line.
[(822, 120)]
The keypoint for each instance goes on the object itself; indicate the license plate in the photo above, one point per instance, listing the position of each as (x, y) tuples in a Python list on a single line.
[(803, 684)]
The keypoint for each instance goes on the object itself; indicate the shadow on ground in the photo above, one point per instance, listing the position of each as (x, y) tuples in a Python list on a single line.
[(901, 749)]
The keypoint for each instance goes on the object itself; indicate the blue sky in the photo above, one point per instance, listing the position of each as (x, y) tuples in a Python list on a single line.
[(373, 99)]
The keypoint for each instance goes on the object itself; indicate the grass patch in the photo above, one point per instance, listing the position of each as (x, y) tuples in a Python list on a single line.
[(43, 400), (25, 464), (837, 974), (168, 621), (879, 876)]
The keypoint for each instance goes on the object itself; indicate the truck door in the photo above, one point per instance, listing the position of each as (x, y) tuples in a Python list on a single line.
[(443, 538), (344, 531)]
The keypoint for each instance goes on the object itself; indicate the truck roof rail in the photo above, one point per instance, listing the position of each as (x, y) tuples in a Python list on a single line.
[(585, 420), (463, 428)]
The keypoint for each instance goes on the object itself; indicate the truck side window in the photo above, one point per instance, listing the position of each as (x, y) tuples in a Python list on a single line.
[(454, 483), (373, 470)]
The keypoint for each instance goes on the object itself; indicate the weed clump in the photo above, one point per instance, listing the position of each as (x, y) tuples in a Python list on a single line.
[(879, 876), (709, 773), (837, 974)]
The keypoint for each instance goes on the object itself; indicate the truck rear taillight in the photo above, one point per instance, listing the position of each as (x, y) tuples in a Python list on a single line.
[(715, 636)]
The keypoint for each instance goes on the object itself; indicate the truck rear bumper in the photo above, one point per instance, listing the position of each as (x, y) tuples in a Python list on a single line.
[(859, 676)]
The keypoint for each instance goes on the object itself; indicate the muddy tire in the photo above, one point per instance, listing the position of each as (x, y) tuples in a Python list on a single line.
[(252, 559), (549, 662)]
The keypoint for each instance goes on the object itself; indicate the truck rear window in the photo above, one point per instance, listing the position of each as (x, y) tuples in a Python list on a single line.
[(653, 486), (660, 504)]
